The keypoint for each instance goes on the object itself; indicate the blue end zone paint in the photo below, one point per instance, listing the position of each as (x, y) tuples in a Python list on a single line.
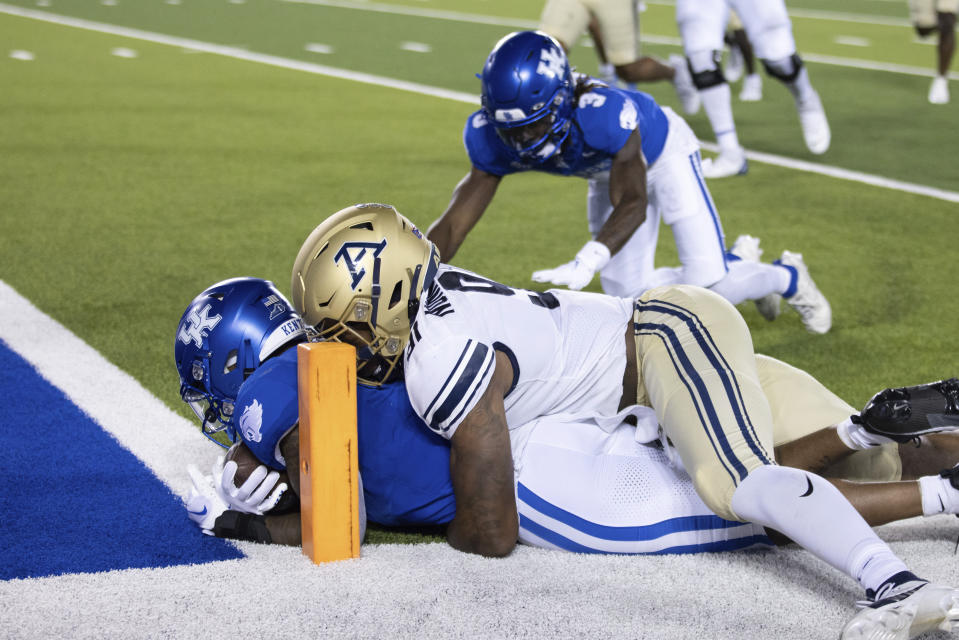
[(72, 500)]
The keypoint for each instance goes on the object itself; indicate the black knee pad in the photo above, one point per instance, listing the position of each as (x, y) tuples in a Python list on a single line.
[(710, 77), (796, 64)]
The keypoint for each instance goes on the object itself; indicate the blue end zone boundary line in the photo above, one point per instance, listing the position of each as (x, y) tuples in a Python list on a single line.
[(72, 500)]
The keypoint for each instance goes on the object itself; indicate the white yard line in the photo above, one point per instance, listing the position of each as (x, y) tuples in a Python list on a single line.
[(457, 16), (446, 94), (438, 14), (836, 16)]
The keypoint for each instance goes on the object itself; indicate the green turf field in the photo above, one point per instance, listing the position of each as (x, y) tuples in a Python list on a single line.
[(129, 184)]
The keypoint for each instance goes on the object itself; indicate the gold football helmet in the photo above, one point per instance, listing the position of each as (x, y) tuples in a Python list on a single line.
[(358, 279)]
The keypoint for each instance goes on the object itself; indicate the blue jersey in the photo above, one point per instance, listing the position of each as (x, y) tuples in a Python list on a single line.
[(602, 121), (405, 467)]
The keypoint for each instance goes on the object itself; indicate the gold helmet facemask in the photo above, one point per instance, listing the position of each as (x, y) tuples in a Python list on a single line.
[(358, 278)]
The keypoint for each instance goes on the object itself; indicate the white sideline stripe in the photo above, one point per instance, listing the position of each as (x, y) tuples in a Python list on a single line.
[(673, 41), (836, 16), (137, 419), (239, 54), (394, 9), (844, 174), (457, 96), (869, 65)]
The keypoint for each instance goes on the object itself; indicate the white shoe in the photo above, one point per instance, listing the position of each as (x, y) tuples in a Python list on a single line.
[(727, 163), (939, 90), (747, 248), (735, 65), (683, 83), (815, 127), (808, 301), (905, 612), (752, 90)]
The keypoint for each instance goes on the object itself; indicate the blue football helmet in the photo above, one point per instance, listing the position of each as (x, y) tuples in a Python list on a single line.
[(528, 94), (225, 333)]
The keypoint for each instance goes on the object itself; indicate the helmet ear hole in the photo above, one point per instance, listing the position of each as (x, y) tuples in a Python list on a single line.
[(396, 295), (231, 361)]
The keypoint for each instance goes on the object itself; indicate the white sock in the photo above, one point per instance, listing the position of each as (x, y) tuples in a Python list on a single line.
[(938, 495), (876, 565), (813, 513), (857, 438), (751, 281), (801, 87), (718, 104)]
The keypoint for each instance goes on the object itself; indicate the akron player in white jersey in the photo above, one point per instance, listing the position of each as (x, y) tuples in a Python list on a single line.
[(702, 24), (480, 358)]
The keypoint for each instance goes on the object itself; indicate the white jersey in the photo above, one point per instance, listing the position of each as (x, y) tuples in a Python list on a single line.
[(567, 350)]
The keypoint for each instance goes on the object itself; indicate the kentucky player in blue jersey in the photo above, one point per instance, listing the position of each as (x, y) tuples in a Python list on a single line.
[(642, 163), (234, 352)]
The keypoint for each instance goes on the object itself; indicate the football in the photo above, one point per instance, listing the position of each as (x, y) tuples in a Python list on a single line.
[(246, 462)]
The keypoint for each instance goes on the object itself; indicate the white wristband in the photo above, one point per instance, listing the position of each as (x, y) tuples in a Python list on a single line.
[(594, 255)]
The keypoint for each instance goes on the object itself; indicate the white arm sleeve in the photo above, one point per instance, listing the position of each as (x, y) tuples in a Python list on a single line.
[(446, 379)]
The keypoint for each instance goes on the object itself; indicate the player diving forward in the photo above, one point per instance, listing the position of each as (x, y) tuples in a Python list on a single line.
[(643, 165), (236, 358), (248, 319), (483, 363)]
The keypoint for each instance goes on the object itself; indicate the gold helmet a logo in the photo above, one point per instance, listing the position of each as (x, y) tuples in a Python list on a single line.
[(358, 278)]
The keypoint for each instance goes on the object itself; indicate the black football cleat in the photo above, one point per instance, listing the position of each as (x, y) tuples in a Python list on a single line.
[(906, 413)]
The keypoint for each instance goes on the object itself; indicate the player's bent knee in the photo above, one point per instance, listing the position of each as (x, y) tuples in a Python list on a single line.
[(755, 498), (784, 69), (705, 276), (925, 32), (706, 69)]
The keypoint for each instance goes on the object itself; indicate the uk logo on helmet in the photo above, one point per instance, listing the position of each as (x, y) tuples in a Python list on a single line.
[(198, 326), (550, 63), (352, 253)]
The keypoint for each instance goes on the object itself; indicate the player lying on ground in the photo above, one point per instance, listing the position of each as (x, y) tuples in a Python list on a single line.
[(483, 361), (642, 164), (231, 318)]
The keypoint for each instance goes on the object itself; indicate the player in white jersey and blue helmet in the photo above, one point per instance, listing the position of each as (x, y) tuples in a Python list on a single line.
[(483, 362), (235, 355), (642, 164)]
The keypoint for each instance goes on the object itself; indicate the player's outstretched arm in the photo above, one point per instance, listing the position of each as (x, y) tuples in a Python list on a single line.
[(470, 198), (481, 466), (627, 192)]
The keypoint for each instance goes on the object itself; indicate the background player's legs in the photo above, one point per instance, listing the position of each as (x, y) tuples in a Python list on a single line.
[(565, 20), (768, 27), (945, 49), (701, 26), (742, 61), (937, 16)]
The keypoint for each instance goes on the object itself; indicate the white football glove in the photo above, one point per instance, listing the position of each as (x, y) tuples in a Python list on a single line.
[(203, 504), (254, 495), (578, 273)]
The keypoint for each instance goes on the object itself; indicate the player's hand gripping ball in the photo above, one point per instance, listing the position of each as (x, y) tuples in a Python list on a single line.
[(247, 485)]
